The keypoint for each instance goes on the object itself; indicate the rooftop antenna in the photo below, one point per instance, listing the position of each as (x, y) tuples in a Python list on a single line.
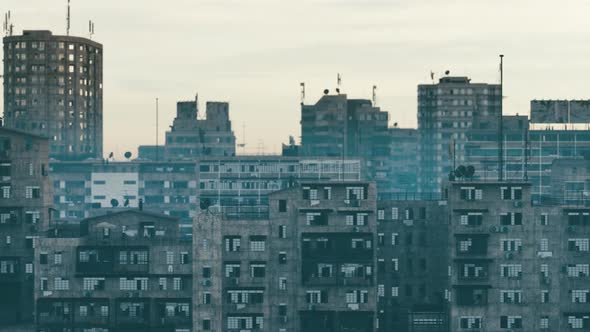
[(91, 29), (243, 144), (157, 129), (374, 95), (68, 20), (432, 76), (7, 26), (302, 84), (500, 124)]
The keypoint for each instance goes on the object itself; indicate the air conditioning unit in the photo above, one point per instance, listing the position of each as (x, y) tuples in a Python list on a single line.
[(87, 294), (284, 319), (508, 255), (356, 229), (206, 283), (494, 229), (311, 307), (571, 229), (504, 229), (517, 204)]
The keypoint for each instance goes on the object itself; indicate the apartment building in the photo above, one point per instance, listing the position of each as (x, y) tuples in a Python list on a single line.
[(25, 212), (53, 88), (412, 260), (310, 266), (123, 271)]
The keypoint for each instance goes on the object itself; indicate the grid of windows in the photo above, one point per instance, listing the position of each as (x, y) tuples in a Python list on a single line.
[(578, 270), (578, 244), (511, 244), (511, 270), (93, 283), (131, 284), (510, 296), (61, 284), (579, 295), (470, 322), (257, 243)]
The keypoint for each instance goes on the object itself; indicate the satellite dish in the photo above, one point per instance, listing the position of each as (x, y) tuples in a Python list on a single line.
[(337, 90), (114, 202), (447, 72), (395, 125), (460, 171), (469, 171), (126, 203), (326, 91), (127, 154), (205, 203)]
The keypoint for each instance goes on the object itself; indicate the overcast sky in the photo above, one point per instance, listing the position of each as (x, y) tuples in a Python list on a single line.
[(254, 53)]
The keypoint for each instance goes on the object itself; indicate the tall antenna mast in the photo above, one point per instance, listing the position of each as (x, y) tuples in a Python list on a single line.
[(501, 124), (339, 80), (7, 26), (302, 84), (374, 95), (243, 144), (157, 129), (91, 28), (68, 19)]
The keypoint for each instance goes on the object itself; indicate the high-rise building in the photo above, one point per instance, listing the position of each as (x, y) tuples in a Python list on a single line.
[(404, 164), (25, 202), (447, 111), (337, 126), (53, 87), (190, 138)]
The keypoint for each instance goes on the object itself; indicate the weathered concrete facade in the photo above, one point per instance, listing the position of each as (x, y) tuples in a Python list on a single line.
[(25, 202), (311, 267), (125, 271), (53, 87)]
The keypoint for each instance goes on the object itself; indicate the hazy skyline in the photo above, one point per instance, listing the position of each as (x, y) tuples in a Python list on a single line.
[(253, 54)]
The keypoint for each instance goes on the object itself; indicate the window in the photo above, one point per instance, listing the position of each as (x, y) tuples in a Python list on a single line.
[(510, 322), (471, 193), (578, 245), (257, 243), (511, 193), (511, 270), (544, 296), (206, 324), (32, 192), (169, 257), (89, 284), (543, 219), (57, 258), (472, 219), (544, 322), (43, 258), (470, 322), (579, 295), (206, 298), (511, 245), (316, 296), (257, 270), (232, 270), (511, 218), (544, 245), (184, 258), (282, 205), (282, 257), (380, 214), (133, 284), (163, 283), (394, 291), (357, 296), (43, 284), (283, 283), (578, 270), (206, 272), (316, 218), (282, 232), (511, 296), (381, 290), (394, 213), (232, 243), (61, 284), (177, 284)]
